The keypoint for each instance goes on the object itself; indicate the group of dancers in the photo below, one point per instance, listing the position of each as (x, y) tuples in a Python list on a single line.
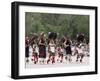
[(51, 49)]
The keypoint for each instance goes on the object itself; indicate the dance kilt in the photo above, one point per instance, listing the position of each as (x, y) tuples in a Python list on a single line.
[(42, 51), (68, 50), (27, 51)]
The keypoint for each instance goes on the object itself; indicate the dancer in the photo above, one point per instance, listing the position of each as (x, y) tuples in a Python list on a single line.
[(80, 53), (67, 45), (52, 50), (60, 51), (35, 54), (42, 48), (27, 48)]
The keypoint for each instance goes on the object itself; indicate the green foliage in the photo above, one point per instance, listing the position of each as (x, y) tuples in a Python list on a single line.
[(64, 24)]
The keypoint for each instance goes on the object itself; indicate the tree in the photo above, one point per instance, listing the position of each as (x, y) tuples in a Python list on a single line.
[(64, 24)]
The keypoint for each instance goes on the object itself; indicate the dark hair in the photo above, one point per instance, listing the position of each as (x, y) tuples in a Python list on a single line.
[(52, 35)]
